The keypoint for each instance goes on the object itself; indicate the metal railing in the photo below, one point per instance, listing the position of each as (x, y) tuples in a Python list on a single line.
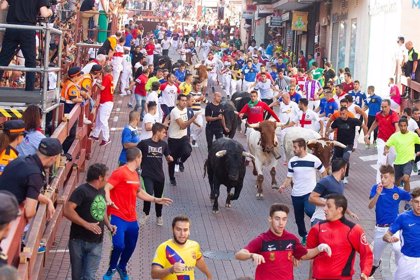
[(46, 99)]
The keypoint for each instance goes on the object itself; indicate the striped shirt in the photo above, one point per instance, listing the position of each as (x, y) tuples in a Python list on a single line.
[(303, 171), (197, 105)]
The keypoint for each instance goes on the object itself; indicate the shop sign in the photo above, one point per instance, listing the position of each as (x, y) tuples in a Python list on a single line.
[(286, 16), (248, 15), (275, 21), (384, 6), (300, 21), (264, 10)]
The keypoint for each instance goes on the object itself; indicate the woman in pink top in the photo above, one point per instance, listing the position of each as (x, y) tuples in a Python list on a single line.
[(394, 93)]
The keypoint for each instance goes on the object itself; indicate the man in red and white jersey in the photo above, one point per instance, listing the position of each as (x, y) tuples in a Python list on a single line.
[(169, 91), (274, 251), (345, 238)]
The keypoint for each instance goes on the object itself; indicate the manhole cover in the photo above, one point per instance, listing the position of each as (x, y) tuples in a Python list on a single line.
[(219, 255)]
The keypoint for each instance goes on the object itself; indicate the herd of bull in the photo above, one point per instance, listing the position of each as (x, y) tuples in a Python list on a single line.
[(226, 162)]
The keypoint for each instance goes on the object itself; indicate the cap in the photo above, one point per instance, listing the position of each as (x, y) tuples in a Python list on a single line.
[(9, 207), (50, 147), (96, 68), (14, 127), (74, 71)]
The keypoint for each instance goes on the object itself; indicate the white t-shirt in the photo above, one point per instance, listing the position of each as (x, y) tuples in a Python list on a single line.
[(265, 89), (412, 125), (174, 130), (166, 44), (169, 94), (303, 171), (213, 64), (311, 120), (158, 49), (153, 96), (288, 113), (93, 52), (148, 118), (352, 109), (205, 46)]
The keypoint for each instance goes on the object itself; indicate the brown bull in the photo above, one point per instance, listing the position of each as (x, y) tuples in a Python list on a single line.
[(323, 148)]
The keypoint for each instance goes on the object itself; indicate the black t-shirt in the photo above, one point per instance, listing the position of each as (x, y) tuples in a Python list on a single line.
[(151, 164), (91, 207), (24, 11), (23, 177), (87, 5), (213, 111), (346, 129)]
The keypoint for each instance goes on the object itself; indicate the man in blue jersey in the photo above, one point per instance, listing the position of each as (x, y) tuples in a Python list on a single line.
[(409, 224), (250, 74), (374, 106), (358, 95), (385, 197)]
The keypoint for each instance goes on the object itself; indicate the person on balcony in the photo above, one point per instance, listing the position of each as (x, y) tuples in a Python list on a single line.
[(88, 11), (22, 12)]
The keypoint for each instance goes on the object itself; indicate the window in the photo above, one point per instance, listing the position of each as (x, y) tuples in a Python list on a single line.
[(342, 44), (353, 36)]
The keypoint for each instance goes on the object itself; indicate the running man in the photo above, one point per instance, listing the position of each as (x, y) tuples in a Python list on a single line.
[(121, 193), (386, 198), (409, 224), (302, 169), (177, 258), (274, 251), (344, 238)]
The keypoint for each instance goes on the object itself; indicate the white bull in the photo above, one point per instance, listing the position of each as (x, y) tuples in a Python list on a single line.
[(264, 146), (321, 147)]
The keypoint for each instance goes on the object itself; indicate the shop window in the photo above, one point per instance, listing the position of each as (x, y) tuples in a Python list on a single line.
[(353, 36), (342, 44)]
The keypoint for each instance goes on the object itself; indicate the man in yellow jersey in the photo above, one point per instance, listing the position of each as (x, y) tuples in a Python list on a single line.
[(186, 87), (177, 258)]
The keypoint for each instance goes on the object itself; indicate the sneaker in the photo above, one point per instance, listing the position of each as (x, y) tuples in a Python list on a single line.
[(93, 138), (109, 274), (144, 219), (173, 182), (130, 105), (303, 241), (159, 221), (176, 167), (123, 94), (104, 143), (374, 268), (181, 167), (87, 121), (123, 274), (41, 248), (194, 144), (345, 180)]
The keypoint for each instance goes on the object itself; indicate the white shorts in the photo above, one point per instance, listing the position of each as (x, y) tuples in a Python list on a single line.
[(408, 269)]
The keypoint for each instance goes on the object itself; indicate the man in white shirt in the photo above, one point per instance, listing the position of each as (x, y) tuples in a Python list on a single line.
[(401, 56), (205, 48), (149, 119), (166, 44), (265, 88), (169, 92), (307, 118), (214, 64), (288, 114), (302, 168), (126, 72), (178, 141)]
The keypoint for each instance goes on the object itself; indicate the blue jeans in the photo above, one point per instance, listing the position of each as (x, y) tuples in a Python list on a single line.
[(301, 206), (123, 242), (140, 102), (84, 259)]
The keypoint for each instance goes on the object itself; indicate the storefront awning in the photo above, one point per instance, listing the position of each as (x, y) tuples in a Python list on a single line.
[(290, 5)]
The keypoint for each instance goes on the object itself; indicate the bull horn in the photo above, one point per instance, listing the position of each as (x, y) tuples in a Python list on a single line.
[(238, 98), (278, 124), (254, 125), (311, 141), (247, 154), (221, 153), (339, 144)]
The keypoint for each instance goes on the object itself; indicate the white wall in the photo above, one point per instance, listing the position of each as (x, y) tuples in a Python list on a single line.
[(385, 27)]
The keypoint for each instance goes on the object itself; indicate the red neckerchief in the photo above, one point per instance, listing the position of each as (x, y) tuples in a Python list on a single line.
[(94, 60), (331, 100)]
